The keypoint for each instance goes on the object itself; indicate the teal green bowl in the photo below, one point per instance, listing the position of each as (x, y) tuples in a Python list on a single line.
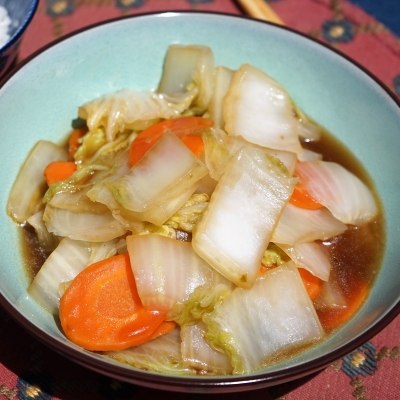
[(39, 99)]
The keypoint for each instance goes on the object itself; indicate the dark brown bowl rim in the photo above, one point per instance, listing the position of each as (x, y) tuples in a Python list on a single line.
[(218, 384)]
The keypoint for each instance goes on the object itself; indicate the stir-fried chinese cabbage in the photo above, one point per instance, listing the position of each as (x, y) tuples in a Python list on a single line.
[(219, 226), (236, 229)]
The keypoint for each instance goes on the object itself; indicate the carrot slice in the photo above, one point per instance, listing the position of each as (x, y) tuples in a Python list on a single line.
[(194, 143), (74, 141), (184, 127), (58, 171), (312, 283), (101, 309)]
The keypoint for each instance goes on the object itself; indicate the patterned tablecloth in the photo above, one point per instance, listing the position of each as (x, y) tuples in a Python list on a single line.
[(29, 370)]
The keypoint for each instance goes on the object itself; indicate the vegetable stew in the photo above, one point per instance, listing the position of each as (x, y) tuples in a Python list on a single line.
[(208, 226)]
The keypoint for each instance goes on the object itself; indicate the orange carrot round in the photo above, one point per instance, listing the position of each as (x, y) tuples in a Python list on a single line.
[(58, 171), (101, 309), (184, 127)]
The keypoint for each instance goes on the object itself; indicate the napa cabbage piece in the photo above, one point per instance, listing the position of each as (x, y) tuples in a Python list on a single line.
[(331, 296), (219, 148), (166, 270), (100, 194), (92, 141), (48, 242), (181, 222), (311, 256), (245, 207), (343, 193), (157, 214), (200, 302), (25, 198), (189, 70), (160, 212), (298, 225), (92, 152), (77, 201), (86, 226), (77, 181), (196, 352), (309, 131), (309, 155), (257, 108), (130, 110), (171, 183), (109, 160), (274, 256), (257, 325), (188, 216), (199, 355), (223, 79), (162, 355), (68, 259), (163, 230), (287, 158)]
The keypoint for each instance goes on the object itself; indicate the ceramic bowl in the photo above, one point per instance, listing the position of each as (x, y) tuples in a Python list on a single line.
[(19, 14), (40, 98)]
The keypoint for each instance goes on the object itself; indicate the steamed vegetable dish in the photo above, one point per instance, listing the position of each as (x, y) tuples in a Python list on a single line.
[(208, 226)]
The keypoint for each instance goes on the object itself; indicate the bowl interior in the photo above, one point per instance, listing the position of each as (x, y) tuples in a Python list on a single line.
[(40, 103)]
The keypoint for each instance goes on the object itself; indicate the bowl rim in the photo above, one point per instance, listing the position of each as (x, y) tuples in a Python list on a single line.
[(218, 384), (22, 27)]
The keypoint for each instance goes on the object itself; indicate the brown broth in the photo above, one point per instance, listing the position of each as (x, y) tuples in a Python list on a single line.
[(355, 255), (32, 253)]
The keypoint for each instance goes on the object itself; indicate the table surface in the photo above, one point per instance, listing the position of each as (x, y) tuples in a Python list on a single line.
[(366, 30)]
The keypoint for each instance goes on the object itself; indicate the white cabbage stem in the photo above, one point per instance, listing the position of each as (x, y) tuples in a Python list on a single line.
[(243, 211), (339, 190), (257, 108), (25, 198), (166, 270)]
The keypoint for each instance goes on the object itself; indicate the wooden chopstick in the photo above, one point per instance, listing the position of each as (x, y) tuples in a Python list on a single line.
[(261, 10)]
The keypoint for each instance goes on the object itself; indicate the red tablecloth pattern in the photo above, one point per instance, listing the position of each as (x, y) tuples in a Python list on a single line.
[(31, 371)]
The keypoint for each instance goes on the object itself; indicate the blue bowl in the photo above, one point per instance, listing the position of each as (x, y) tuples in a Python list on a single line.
[(20, 13), (39, 98)]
